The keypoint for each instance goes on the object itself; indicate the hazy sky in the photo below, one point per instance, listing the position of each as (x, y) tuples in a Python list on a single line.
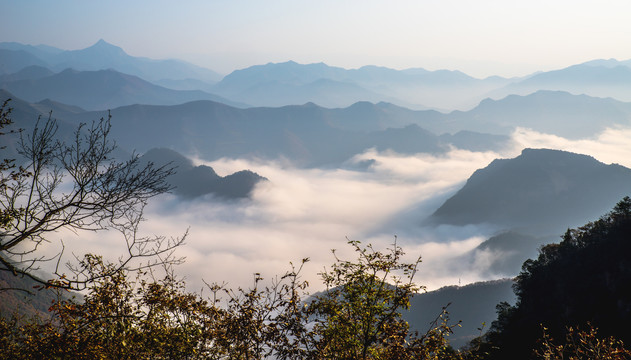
[(481, 38)]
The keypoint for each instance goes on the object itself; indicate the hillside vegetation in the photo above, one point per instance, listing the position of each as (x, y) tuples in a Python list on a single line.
[(580, 283), (575, 290)]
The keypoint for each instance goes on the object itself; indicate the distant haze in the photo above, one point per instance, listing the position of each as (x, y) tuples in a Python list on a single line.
[(481, 38), (347, 150)]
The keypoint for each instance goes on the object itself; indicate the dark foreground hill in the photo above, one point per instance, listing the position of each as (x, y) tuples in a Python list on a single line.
[(583, 282)]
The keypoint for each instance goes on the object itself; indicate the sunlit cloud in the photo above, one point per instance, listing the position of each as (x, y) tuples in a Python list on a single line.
[(610, 146), (304, 213)]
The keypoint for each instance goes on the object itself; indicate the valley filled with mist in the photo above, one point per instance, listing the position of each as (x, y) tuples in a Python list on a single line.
[(283, 161)]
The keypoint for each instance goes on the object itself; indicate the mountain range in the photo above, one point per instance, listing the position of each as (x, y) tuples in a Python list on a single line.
[(101, 56), (530, 199), (310, 135), (316, 115), (268, 85), (551, 112), (290, 83), (95, 90), (600, 78), (307, 135), (544, 111)]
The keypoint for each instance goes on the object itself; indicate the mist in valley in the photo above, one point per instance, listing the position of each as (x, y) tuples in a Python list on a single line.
[(374, 197), (471, 134)]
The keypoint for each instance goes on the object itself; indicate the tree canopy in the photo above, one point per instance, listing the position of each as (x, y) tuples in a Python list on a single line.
[(134, 315), (580, 283)]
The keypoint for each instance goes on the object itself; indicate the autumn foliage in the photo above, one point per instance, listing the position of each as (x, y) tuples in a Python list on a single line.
[(127, 315)]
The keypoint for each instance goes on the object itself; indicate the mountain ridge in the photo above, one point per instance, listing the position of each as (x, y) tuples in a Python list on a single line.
[(541, 190), (100, 89), (214, 130), (103, 55)]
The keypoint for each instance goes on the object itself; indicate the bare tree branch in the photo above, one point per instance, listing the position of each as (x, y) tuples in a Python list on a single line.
[(76, 185)]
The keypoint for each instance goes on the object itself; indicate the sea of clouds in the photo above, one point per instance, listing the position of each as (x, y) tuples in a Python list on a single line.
[(305, 213)]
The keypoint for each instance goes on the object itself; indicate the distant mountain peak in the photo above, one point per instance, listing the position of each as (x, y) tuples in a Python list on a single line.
[(103, 43), (103, 47)]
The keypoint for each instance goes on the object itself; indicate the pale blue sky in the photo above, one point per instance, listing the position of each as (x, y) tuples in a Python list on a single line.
[(482, 38)]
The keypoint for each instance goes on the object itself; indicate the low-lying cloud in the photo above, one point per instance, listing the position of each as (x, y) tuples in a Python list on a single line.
[(613, 145), (304, 213)]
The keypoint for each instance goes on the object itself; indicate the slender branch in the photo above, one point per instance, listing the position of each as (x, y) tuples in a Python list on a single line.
[(103, 193)]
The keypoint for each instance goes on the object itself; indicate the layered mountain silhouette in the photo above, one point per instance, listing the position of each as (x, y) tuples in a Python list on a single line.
[(319, 115), (27, 73), (95, 90), (543, 191), (102, 56), (277, 84), (552, 112), (601, 78), (298, 132), (15, 60), (302, 134), (25, 115), (306, 134), (310, 135), (39, 51), (291, 83), (191, 181)]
